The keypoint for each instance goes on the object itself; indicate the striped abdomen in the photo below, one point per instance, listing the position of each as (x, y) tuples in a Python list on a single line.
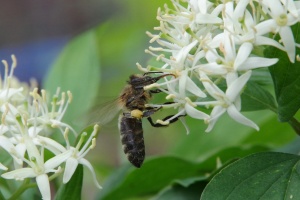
[(132, 139)]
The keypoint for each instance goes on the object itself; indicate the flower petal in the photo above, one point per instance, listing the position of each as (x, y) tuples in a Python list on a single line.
[(2, 167), (214, 116), (51, 145), (19, 174), (265, 27), (257, 62), (243, 53), (287, 38), (212, 68), (194, 113), (90, 167), (193, 88), (237, 116), (57, 160), (236, 86), (44, 186), (207, 19), (70, 168)]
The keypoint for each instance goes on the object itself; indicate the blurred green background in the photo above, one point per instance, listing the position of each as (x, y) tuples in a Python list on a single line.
[(91, 48)]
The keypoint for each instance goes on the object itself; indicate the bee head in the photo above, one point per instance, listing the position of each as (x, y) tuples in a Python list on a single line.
[(139, 81)]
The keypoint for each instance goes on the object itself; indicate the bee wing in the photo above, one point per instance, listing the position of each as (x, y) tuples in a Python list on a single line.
[(104, 113)]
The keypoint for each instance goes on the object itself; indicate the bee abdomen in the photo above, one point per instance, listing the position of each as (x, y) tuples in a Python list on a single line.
[(133, 140)]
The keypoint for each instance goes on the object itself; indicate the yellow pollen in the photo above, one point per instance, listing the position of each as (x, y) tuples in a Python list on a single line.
[(136, 113)]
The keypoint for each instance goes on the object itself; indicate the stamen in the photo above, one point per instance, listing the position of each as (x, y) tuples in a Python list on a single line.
[(81, 140), (4, 114), (5, 73), (13, 65), (155, 48), (141, 68), (93, 143), (171, 96), (70, 96), (66, 136), (188, 100), (44, 95), (83, 149), (148, 87), (165, 123)]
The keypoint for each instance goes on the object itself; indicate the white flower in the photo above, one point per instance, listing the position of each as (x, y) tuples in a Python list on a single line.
[(27, 121), (281, 23), (10, 89), (77, 156), (228, 101), (203, 40), (37, 168), (179, 97), (233, 62), (43, 117)]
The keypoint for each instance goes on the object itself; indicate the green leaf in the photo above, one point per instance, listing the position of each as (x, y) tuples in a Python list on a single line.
[(1, 196), (256, 97), (227, 154), (286, 78), (72, 190), (181, 192), (259, 176), (154, 175), (77, 69)]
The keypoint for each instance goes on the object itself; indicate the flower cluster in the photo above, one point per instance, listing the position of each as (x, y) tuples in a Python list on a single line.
[(27, 122), (205, 43)]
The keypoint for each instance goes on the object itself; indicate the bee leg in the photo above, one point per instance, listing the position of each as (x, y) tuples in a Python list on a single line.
[(155, 79), (166, 118), (150, 111), (155, 91)]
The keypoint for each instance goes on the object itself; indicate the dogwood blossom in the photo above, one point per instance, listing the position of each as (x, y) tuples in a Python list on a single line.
[(206, 43), (27, 123)]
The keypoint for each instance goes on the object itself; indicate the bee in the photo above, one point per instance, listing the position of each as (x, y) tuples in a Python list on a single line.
[(132, 104), (133, 100)]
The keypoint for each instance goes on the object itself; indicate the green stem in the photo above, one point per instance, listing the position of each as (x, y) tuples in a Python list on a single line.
[(25, 185), (295, 124)]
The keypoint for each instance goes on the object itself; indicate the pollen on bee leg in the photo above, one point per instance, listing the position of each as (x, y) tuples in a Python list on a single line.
[(136, 113)]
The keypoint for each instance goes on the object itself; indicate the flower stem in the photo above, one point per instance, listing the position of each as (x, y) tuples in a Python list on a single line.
[(25, 185), (295, 124)]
